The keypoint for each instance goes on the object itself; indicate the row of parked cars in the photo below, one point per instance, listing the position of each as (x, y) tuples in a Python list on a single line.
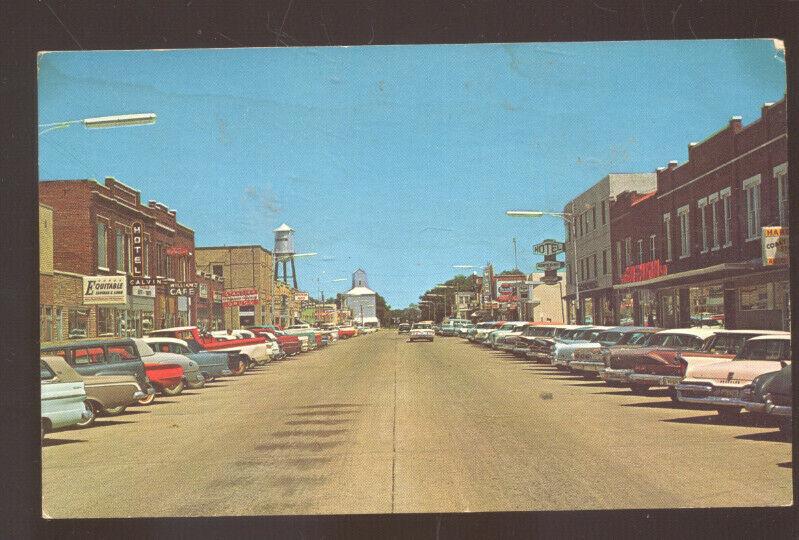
[(84, 379), (727, 370)]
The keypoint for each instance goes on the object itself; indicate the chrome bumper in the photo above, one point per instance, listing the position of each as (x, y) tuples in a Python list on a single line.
[(587, 365), (754, 406), (778, 410), (616, 375), (86, 413), (138, 394), (704, 395), (520, 351), (655, 380)]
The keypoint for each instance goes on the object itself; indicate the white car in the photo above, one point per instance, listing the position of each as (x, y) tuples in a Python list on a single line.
[(421, 332), (63, 395)]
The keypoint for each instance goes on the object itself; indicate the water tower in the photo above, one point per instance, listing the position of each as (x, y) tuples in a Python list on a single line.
[(284, 254)]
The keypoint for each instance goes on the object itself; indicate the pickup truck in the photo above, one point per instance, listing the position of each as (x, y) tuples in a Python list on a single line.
[(245, 352)]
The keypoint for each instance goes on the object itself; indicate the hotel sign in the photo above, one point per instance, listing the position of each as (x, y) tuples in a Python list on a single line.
[(775, 245), (138, 249), (102, 290)]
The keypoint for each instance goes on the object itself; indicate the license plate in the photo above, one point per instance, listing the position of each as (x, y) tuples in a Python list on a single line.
[(727, 392), (670, 381)]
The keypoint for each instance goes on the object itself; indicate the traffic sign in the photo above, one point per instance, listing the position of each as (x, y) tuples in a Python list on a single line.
[(549, 247), (550, 265)]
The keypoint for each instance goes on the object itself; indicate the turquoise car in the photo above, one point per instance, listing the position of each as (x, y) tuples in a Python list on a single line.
[(63, 395)]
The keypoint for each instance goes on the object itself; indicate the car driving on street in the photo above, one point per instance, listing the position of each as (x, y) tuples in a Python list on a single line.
[(421, 331)]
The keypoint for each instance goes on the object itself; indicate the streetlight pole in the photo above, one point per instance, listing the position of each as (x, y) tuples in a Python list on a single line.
[(100, 122), (571, 221)]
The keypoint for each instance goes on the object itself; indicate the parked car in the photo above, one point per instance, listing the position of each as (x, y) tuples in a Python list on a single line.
[(464, 329), (247, 351), (771, 394), (190, 378), (403, 328), (289, 344), (589, 361), (119, 356), (447, 329), (481, 330), (347, 331), (721, 384), (507, 342), (563, 352), (666, 368), (421, 332), (304, 330), (621, 363), (63, 395), (211, 364), (505, 329)]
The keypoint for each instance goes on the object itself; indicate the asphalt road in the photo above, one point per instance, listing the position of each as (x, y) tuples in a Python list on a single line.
[(379, 425)]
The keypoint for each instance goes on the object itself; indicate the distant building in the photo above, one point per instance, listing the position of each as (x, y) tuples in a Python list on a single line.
[(547, 300), (361, 300)]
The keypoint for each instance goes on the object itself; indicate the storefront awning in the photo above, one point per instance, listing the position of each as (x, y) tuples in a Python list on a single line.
[(724, 270)]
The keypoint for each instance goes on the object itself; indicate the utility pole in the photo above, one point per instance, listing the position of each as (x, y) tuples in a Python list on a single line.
[(515, 258)]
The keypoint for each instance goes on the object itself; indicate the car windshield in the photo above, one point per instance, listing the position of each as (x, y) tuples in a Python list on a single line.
[(727, 343), (658, 340), (609, 337), (634, 338), (508, 327), (593, 336), (766, 349), (421, 326)]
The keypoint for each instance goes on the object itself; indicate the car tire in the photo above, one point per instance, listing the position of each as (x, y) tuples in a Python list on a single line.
[(95, 409), (45, 427), (729, 414), (639, 389), (146, 400), (240, 368), (174, 391), (197, 385), (673, 394)]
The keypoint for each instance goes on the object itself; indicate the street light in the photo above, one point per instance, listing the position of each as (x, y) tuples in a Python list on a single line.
[(569, 218), (119, 120)]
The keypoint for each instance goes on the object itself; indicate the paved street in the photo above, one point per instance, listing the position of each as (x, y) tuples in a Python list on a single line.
[(378, 425)]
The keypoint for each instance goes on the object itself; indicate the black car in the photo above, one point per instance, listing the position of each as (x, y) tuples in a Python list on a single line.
[(404, 328), (771, 393)]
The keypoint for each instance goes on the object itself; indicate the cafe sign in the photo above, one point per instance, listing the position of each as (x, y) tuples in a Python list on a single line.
[(102, 290), (775, 245), (181, 288)]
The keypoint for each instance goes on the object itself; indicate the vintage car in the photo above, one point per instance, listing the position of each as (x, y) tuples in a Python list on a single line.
[(63, 395), (771, 394), (211, 364), (721, 385), (481, 330), (589, 361), (105, 394), (509, 327), (191, 377), (347, 331), (666, 369), (507, 341), (541, 349), (403, 328), (273, 348), (421, 331), (304, 331), (463, 330), (90, 357), (563, 352), (291, 345), (621, 363), (247, 351), (447, 330), (522, 342)]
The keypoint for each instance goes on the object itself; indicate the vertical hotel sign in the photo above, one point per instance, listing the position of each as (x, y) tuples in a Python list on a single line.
[(138, 250)]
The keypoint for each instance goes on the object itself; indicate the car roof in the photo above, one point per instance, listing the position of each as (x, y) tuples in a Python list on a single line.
[(164, 339), (94, 342), (629, 329), (754, 332), (698, 332), (784, 336), (175, 328), (65, 372)]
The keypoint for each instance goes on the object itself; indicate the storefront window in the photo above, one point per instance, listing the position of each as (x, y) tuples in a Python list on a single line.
[(59, 324), (649, 311), (588, 310), (105, 322), (626, 309), (669, 304), (45, 323), (607, 311), (78, 323), (757, 297), (707, 306)]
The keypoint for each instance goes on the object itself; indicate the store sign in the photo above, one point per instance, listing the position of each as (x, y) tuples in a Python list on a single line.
[(644, 271), (177, 251), (775, 245), (148, 282), (549, 247), (301, 297), (550, 265), (203, 290), (247, 311), (181, 288), (138, 249), (105, 290), (147, 292), (240, 297)]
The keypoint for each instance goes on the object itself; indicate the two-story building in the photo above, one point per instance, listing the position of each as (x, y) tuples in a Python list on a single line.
[(704, 229), (102, 236), (589, 276)]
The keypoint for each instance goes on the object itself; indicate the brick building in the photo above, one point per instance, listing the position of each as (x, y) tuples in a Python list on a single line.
[(93, 240), (210, 315), (706, 220)]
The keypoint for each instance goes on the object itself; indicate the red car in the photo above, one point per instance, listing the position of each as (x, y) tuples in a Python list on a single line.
[(346, 332), (289, 344), (165, 377)]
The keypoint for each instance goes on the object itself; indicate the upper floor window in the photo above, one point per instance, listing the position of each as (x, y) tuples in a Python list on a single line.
[(781, 175), (726, 206), (102, 245), (653, 254), (596, 271), (685, 231), (593, 216), (640, 251), (713, 203), (604, 215), (217, 270), (619, 263), (751, 190), (702, 206), (628, 257), (667, 235)]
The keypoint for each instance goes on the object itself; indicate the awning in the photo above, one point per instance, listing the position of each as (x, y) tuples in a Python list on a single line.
[(719, 271)]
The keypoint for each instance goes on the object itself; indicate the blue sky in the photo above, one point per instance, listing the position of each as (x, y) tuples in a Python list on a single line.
[(398, 159)]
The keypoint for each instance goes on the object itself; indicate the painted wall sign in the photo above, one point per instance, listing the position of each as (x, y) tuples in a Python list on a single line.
[(240, 297), (775, 245), (138, 249), (101, 290), (644, 271), (177, 251)]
